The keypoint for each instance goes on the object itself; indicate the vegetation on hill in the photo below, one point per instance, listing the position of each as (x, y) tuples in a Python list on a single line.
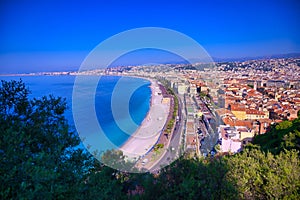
[(40, 159), (285, 135)]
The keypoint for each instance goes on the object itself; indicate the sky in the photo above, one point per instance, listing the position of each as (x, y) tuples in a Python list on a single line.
[(58, 35)]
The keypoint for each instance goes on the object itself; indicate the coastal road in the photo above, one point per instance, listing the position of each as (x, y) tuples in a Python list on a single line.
[(173, 150)]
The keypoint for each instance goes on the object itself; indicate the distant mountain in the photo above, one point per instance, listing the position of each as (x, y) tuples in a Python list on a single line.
[(240, 59), (288, 55)]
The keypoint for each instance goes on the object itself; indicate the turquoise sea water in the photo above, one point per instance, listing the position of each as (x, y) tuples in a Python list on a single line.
[(63, 85)]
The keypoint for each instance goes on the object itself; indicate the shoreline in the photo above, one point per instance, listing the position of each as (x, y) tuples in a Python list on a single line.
[(147, 134), (149, 131), (144, 120)]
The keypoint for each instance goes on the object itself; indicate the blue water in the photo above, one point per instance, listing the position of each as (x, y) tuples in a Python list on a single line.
[(63, 85)]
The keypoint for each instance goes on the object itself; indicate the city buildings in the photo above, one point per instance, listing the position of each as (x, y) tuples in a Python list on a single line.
[(226, 104)]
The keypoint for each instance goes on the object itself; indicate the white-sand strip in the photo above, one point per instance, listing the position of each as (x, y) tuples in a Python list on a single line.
[(143, 139)]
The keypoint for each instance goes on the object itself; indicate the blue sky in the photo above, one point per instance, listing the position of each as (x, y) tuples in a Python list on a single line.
[(57, 35)]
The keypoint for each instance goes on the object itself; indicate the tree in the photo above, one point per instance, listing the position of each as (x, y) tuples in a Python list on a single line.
[(284, 135), (260, 175), (191, 179), (117, 160), (217, 148), (40, 158), (103, 183)]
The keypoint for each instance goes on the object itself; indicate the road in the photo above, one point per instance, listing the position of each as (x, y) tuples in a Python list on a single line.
[(173, 150), (210, 138)]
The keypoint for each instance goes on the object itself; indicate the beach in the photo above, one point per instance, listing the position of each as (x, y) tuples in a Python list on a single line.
[(143, 139)]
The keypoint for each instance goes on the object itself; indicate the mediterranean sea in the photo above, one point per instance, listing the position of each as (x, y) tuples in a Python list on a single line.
[(62, 86)]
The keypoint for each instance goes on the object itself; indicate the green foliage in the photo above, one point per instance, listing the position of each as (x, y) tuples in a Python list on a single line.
[(202, 94), (218, 148), (158, 146), (261, 175), (171, 122), (285, 135), (251, 174), (102, 183), (39, 158), (191, 179), (284, 125), (116, 160)]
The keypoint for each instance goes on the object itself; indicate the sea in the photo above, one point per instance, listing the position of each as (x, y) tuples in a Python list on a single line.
[(139, 101)]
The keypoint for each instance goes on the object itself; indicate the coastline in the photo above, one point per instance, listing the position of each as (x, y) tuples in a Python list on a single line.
[(149, 130), (148, 133)]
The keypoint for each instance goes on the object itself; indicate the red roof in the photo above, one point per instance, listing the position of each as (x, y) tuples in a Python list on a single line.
[(254, 112), (237, 107), (231, 122)]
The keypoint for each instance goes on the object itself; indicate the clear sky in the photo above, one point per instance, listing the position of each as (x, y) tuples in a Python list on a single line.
[(57, 35)]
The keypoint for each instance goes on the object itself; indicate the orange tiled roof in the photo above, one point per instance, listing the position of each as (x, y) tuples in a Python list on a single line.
[(237, 107), (254, 112), (231, 122)]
